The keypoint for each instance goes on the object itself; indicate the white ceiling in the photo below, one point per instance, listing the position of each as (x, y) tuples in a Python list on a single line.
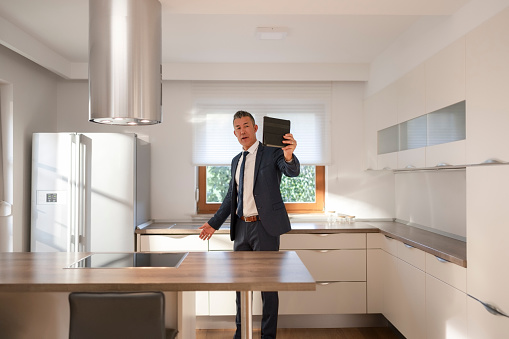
[(223, 31)]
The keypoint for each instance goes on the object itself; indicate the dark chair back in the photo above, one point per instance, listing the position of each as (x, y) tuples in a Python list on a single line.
[(112, 315)]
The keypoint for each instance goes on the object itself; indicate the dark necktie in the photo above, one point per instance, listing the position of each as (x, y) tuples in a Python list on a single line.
[(240, 209)]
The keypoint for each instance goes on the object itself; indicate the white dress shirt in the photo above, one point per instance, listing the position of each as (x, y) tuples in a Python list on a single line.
[(249, 205)]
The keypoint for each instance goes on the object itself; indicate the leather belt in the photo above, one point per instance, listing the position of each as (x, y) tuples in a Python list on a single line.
[(252, 218)]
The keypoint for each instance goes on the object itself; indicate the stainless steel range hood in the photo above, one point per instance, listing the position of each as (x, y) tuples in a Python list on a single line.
[(125, 62)]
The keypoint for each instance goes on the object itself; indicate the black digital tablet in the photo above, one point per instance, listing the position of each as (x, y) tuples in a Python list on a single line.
[(273, 131)]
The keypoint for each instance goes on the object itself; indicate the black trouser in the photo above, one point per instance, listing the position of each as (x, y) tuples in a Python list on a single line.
[(251, 236)]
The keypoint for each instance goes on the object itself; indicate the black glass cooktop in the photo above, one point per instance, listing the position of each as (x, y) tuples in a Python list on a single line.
[(125, 260)]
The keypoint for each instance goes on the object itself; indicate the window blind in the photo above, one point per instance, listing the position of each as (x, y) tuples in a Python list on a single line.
[(307, 105)]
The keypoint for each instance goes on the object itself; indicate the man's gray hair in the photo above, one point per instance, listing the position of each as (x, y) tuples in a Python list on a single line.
[(241, 114)]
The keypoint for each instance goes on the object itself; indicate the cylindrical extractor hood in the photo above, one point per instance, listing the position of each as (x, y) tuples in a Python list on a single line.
[(125, 62)]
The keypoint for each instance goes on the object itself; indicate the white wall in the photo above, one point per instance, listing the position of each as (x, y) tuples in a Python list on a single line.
[(351, 190), (33, 109), (427, 37)]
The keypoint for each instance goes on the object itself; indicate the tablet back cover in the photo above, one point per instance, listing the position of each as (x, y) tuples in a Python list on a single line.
[(273, 131)]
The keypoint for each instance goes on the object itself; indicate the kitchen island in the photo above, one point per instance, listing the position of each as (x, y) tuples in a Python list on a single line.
[(233, 271)]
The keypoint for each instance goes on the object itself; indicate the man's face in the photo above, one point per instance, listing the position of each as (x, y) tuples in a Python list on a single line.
[(245, 131)]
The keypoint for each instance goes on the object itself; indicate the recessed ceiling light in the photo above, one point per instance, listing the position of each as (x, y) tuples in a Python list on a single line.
[(271, 33)]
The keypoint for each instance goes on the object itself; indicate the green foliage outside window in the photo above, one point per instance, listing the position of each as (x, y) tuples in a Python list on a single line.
[(300, 189)]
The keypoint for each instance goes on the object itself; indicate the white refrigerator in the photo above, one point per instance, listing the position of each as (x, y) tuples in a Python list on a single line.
[(89, 191)]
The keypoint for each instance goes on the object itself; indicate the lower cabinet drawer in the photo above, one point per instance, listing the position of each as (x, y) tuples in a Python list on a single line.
[(450, 273), (329, 298), (335, 265), (175, 243)]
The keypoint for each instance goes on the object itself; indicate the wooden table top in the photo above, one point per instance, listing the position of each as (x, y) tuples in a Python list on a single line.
[(200, 271)]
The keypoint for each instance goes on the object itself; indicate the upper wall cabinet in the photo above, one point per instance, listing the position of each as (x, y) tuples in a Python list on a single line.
[(445, 77), (487, 90), (380, 113), (411, 94)]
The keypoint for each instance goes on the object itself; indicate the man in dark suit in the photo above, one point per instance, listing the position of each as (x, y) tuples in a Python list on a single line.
[(257, 222)]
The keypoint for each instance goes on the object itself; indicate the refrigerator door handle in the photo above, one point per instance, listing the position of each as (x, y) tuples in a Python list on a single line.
[(490, 308), (73, 192)]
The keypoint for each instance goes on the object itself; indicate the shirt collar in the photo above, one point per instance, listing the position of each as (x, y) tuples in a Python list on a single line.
[(253, 148)]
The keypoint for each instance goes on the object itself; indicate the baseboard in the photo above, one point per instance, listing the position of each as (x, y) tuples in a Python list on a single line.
[(300, 321)]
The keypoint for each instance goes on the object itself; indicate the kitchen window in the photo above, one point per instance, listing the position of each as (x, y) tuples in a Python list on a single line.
[(306, 104), (302, 194)]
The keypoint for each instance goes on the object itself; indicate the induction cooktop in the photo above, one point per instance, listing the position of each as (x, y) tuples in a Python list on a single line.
[(126, 260)]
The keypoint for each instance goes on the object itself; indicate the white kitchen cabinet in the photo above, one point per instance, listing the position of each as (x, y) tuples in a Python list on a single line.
[(482, 324), (370, 133), (335, 265), (487, 88), (173, 243), (220, 242), (375, 280), (404, 292), (336, 297), (411, 89), (338, 263), (449, 273), (412, 294), (446, 311), (445, 76), (380, 112), (412, 255), (388, 161), (223, 303), (487, 234), (323, 241), (391, 289), (447, 154), (386, 243), (412, 158)]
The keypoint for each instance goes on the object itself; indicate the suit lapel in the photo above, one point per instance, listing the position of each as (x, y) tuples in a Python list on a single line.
[(259, 155), (235, 164)]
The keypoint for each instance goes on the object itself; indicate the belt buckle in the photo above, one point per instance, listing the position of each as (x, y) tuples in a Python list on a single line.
[(252, 218)]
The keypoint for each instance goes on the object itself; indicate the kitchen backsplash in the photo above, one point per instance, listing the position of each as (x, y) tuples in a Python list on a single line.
[(434, 199)]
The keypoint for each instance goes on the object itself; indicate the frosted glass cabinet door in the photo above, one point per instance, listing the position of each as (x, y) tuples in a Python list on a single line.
[(488, 234), (487, 88)]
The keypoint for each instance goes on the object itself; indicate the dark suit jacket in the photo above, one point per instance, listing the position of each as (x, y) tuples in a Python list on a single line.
[(270, 164)]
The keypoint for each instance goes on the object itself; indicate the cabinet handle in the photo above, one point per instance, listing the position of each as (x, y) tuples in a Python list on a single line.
[(408, 246), (389, 238), (387, 169), (409, 166), (323, 251), (442, 164), (323, 235), (441, 260), (323, 283), (492, 161), (490, 308)]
